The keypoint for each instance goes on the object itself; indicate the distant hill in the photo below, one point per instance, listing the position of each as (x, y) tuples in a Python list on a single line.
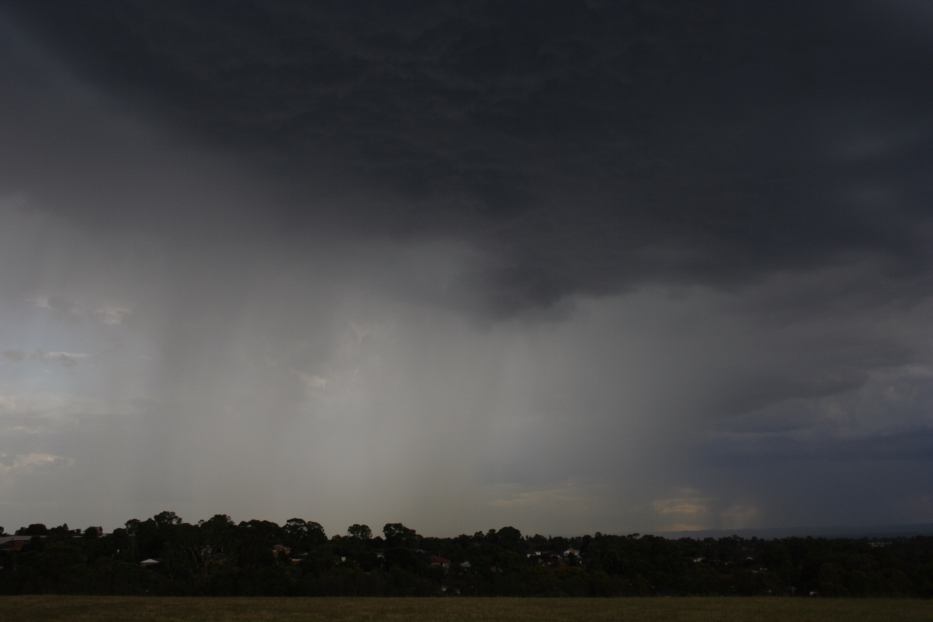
[(834, 531)]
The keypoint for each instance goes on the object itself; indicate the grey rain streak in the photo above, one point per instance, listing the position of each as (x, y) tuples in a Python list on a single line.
[(571, 266)]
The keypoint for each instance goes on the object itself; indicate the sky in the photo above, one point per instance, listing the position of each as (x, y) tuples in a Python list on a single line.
[(576, 266)]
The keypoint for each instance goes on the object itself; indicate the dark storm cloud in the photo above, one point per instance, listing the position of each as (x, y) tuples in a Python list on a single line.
[(572, 266), (585, 146)]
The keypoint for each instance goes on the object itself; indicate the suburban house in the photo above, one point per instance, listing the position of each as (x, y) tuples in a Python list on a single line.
[(14, 543), (440, 562)]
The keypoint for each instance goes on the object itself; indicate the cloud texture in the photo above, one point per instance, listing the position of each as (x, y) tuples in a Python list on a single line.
[(568, 266)]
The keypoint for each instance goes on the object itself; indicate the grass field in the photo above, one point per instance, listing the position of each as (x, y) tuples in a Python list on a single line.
[(101, 609)]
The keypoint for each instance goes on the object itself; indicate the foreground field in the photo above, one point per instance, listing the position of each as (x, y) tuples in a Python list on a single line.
[(102, 609)]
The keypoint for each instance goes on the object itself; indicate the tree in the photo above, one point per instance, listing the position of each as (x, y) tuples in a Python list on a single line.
[(300, 532), (360, 532), (296, 528), (398, 534), (35, 529), (217, 523), (219, 534), (510, 537), (166, 519), (255, 541), (61, 530)]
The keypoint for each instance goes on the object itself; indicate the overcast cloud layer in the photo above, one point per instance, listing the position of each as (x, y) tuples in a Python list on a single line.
[(570, 266)]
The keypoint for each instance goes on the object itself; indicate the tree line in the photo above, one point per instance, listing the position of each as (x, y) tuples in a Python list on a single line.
[(166, 555)]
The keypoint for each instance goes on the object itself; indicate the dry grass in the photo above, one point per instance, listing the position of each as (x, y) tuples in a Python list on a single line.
[(103, 609)]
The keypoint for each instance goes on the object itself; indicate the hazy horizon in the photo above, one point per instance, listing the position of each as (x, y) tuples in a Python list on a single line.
[(565, 266)]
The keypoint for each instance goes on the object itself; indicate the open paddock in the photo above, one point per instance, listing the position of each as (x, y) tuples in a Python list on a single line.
[(170, 609)]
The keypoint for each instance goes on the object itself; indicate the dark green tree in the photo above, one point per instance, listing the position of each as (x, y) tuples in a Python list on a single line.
[(360, 532), (35, 529), (397, 534)]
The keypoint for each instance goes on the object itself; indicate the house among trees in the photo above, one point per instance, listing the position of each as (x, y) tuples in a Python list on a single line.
[(14, 543), (221, 557)]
